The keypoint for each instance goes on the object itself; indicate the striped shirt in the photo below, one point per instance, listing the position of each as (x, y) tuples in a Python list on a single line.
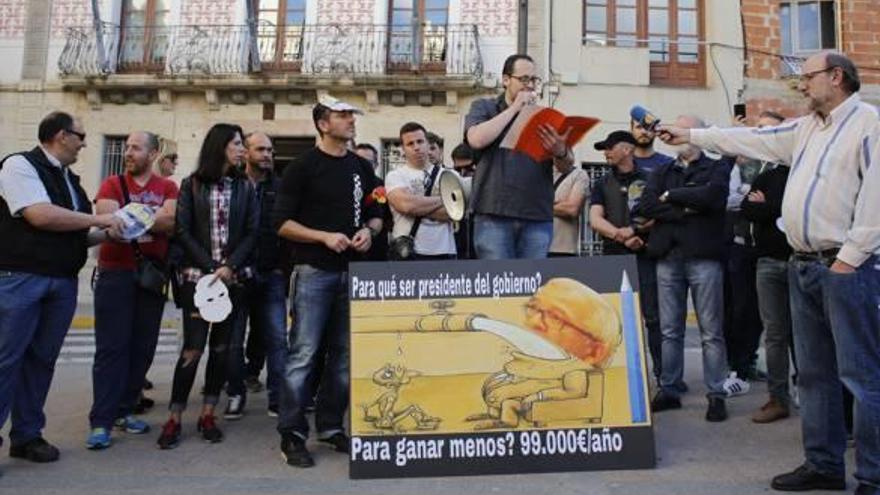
[(832, 198)]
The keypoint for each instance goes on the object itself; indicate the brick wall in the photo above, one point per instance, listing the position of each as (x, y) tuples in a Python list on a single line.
[(860, 33)]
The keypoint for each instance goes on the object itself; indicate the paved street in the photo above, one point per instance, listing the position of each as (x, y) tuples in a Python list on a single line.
[(694, 457)]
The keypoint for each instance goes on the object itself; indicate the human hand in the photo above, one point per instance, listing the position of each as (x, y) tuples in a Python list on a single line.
[(673, 135), (842, 267), (362, 240), (757, 197), (223, 273), (553, 141), (336, 242)]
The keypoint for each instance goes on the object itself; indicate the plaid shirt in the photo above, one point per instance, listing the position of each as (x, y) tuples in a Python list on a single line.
[(219, 198)]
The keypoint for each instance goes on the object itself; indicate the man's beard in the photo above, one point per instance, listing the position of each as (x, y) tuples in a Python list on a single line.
[(645, 145)]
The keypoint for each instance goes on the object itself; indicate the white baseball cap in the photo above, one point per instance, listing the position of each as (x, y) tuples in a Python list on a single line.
[(336, 105)]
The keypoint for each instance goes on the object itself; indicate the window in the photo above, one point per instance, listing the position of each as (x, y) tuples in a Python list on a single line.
[(417, 35), (288, 149), (280, 27), (114, 156), (807, 26), (671, 29), (145, 34), (392, 156)]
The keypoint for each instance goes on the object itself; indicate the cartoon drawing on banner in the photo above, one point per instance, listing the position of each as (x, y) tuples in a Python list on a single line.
[(388, 416), (543, 361)]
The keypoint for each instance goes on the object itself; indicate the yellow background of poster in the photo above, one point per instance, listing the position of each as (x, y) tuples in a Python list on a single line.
[(434, 380)]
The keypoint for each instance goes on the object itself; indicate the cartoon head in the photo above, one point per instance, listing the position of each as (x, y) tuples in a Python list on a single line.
[(212, 299), (390, 376), (576, 318)]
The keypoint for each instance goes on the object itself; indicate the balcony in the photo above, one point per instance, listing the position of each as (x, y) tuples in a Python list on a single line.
[(359, 51)]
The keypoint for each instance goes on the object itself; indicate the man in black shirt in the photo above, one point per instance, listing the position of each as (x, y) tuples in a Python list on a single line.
[(611, 205), (321, 210)]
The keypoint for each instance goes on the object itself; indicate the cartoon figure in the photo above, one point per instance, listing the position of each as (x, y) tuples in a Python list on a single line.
[(539, 390), (412, 417)]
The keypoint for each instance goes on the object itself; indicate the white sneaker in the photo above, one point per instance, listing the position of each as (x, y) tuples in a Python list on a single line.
[(234, 408), (735, 386)]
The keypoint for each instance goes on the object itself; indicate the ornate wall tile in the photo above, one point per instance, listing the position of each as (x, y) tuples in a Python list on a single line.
[(12, 18)]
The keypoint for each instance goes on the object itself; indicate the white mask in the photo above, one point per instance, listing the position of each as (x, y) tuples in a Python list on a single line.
[(212, 300)]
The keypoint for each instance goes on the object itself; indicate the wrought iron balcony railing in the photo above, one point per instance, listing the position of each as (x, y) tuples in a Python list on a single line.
[(355, 49)]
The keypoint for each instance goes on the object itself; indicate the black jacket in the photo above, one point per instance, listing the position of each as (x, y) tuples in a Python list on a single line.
[(769, 240), (193, 226), (690, 223)]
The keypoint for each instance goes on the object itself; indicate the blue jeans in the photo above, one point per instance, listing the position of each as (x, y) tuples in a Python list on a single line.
[(502, 238), (773, 303), (321, 319), (265, 306), (836, 325), (35, 314), (127, 321), (650, 310), (705, 278)]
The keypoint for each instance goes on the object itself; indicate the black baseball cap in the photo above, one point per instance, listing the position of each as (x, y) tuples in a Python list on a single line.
[(614, 138)]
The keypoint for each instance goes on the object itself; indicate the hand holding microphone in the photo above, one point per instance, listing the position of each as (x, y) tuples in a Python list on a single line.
[(524, 98)]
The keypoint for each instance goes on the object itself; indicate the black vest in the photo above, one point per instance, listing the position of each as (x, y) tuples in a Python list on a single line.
[(27, 249), (618, 196)]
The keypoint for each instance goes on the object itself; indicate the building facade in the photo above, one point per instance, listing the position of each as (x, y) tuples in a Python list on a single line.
[(780, 34), (178, 67)]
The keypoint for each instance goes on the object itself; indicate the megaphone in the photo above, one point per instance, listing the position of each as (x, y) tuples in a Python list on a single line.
[(454, 191)]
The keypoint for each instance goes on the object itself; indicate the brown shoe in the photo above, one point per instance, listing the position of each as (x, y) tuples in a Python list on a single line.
[(770, 412)]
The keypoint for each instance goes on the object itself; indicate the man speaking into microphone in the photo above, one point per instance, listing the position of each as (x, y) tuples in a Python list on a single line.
[(512, 194)]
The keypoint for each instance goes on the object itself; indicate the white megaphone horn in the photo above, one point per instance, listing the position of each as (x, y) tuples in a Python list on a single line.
[(454, 191)]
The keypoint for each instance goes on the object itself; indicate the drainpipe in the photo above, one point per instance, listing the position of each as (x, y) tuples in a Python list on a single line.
[(252, 35), (522, 35), (99, 38)]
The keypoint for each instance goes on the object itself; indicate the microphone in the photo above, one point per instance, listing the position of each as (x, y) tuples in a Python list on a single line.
[(644, 117)]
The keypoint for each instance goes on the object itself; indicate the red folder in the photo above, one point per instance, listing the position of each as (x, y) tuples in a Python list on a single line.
[(523, 134)]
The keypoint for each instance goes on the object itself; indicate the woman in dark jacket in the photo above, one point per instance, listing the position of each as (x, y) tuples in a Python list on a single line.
[(216, 230)]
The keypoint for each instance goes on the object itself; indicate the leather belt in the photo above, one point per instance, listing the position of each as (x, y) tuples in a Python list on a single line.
[(826, 257)]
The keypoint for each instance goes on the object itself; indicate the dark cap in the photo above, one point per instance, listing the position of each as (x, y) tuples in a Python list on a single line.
[(614, 138)]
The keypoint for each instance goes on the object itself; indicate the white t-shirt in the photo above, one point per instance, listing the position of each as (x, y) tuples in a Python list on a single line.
[(20, 184), (433, 237)]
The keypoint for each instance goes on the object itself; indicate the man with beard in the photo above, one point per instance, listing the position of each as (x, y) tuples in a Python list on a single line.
[(264, 299), (644, 155), (128, 316), (829, 214), (322, 212)]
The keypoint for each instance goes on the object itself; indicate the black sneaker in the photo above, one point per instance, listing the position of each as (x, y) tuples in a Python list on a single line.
[(339, 441), (144, 404), (717, 411), (170, 436), (234, 408), (207, 426), (272, 411), (663, 402), (253, 385), (36, 450), (294, 450), (864, 489), (804, 478)]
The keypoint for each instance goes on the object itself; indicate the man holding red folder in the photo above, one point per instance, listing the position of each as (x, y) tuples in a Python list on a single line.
[(512, 193)]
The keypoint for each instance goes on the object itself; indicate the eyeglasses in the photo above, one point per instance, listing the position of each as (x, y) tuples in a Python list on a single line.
[(527, 79), (80, 135), (808, 76)]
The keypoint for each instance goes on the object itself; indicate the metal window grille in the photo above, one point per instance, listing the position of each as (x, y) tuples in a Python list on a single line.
[(114, 156)]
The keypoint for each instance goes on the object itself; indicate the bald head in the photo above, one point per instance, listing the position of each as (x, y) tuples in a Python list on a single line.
[(260, 154), (141, 149)]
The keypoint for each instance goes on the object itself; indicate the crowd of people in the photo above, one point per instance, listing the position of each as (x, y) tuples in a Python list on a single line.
[(771, 228)]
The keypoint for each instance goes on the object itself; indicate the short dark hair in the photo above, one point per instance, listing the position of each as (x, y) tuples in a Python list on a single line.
[(462, 152), (507, 70), (52, 124), (412, 127), (212, 156), (851, 82), (367, 146), (320, 112), (434, 139), (770, 114)]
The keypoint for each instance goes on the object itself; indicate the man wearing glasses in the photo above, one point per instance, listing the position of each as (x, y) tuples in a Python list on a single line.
[(45, 217), (512, 194), (829, 215)]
